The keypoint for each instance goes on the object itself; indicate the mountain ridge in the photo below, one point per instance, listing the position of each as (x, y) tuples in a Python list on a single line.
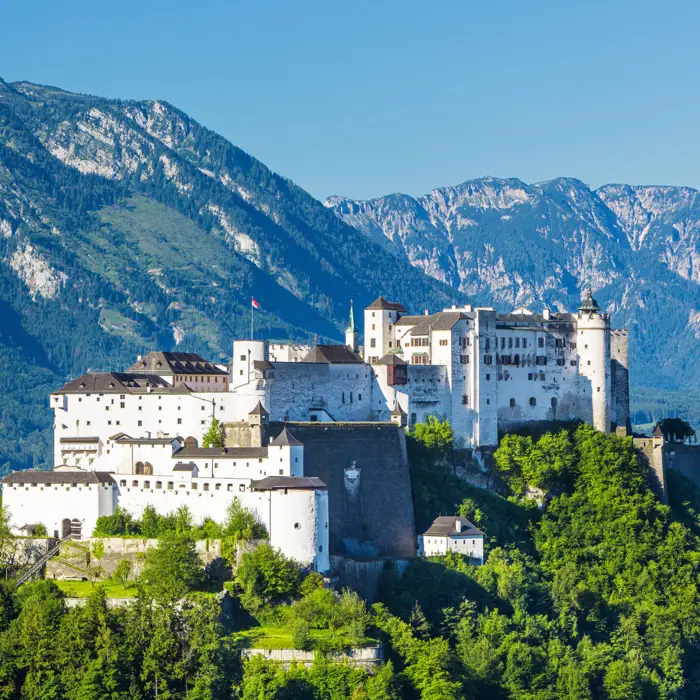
[(507, 242), (131, 227)]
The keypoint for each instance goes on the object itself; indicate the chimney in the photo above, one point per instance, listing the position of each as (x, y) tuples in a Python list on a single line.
[(546, 314), (427, 313)]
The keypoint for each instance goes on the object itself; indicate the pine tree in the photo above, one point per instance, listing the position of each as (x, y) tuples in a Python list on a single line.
[(216, 435)]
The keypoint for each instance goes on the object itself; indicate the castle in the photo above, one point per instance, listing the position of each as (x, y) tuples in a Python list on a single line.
[(315, 442)]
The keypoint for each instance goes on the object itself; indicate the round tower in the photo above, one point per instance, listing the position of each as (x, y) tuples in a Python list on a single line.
[(593, 347), (245, 353)]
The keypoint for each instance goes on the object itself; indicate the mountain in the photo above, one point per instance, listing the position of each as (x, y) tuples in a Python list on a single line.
[(507, 243), (127, 226)]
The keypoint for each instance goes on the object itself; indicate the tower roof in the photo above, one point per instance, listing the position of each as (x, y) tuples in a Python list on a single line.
[(588, 303), (398, 411), (259, 410), (657, 431), (351, 325), (391, 359), (285, 438), (382, 303)]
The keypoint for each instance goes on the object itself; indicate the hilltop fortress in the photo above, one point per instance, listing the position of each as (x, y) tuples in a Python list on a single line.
[(315, 442)]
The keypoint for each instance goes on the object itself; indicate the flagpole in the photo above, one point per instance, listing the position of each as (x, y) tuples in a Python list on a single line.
[(252, 311)]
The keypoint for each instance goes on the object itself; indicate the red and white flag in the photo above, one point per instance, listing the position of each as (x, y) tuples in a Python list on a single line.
[(254, 303)]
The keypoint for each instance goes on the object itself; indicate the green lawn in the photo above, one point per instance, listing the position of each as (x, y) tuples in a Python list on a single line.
[(82, 589), (281, 638)]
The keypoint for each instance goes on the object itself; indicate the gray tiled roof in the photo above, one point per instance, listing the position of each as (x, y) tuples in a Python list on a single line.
[(285, 438), (445, 525), (160, 363), (220, 452), (391, 359), (333, 354), (382, 303), (32, 476), (270, 483), (117, 383)]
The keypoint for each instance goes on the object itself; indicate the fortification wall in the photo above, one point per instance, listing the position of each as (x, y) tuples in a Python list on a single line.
[(620, 382), (370, 504), (684, 459), (117, 548)]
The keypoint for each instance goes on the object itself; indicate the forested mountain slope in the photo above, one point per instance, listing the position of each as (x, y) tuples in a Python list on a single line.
[(128, 226), (510, 243)]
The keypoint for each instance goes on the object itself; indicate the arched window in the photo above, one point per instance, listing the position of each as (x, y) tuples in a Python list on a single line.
[(516, 359), (148, 468), (512, 403), (139, 468), (533, 401)]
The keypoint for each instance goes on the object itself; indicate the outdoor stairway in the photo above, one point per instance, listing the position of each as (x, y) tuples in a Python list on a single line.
[(39, 564)]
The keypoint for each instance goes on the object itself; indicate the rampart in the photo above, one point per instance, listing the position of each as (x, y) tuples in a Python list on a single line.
[(365, 467)]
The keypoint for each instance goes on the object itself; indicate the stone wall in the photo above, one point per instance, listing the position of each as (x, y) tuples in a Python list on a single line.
[(684, 459), (116, 549), (365, 468), (367, 657), (619, 367), (363, 576)]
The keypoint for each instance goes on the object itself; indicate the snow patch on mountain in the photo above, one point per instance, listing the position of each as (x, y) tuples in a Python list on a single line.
[(35, 271)]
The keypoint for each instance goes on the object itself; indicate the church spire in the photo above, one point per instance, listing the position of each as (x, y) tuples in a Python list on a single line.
[(351, 325), (352, 337)]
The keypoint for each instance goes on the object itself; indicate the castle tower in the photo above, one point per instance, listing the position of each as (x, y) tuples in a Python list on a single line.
[(380, 317), (258, 420), (593, 347), (352, 336), (245, 353)]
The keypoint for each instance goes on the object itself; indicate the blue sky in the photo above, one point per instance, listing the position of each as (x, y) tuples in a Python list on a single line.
[(367, 98)]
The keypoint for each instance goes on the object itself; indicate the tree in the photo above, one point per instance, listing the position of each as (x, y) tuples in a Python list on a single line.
[(435, 435), (173, 567), (98, 550), (122, 571), (8, 543), (94, 573), (40, 530), (118, 524), (266, 575), (676, 430), (150, 522), (215, 435)]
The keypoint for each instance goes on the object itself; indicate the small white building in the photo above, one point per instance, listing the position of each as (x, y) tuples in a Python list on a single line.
[(452, 533)]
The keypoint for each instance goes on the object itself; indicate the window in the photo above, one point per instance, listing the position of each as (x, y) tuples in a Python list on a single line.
[(524, 342), (159, 484), (465, 400), (540, 342), (140, 423), (533, 401), (374, 327), (443, 343), (598, 388), (487, 359), (517, 342), (135, 483), (179, 421), (373, 342), (194, 487), (488, 379), (464, 359), (217, 487), (529, 376), (561, 362), (241, 487), (170, 485), (242, 358), (160, 408), (359, 397), (541, 360), (342, 397), (140, 407), (297, 526), (204, 408), (206, 487), (87, 422), (122, 482), (512, 403), (572, 363), (589, 362), (510, 343), (147, 484)]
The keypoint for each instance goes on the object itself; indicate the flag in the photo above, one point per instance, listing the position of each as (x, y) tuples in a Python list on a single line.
[(254, 303)]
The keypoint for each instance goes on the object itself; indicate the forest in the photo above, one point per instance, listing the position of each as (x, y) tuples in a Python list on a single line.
[(590, 590)]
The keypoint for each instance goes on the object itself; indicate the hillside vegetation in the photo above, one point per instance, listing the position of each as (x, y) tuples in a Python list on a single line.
[(594, 595)]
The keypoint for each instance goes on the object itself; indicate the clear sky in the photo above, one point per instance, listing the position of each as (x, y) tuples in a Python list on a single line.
[(364, 98)]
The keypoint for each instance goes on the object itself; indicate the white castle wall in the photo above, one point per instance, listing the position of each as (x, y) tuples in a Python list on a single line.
[(50, 504)]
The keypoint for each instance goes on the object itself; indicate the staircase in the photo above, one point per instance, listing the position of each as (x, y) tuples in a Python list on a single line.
[(39, 563)]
